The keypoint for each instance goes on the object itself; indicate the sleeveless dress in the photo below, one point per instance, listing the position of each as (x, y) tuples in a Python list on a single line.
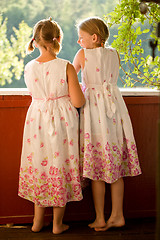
[(107, 144), (49, 172)]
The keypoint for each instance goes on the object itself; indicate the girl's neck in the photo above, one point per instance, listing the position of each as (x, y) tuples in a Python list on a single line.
[(45, 59), (96, 47), (46, 56)]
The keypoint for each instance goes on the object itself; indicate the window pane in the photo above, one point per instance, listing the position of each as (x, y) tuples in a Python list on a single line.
[(67, 13)]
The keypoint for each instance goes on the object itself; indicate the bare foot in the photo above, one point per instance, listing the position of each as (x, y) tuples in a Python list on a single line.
[(97, 224), (112, 223), (57, 229), (37, 226)]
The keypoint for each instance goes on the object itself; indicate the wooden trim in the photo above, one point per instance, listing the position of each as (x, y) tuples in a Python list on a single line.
[(13, 101), (22, 219), (142, 100)]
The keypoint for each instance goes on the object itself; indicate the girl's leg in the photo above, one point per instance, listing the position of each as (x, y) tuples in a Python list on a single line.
[(98, 191), (117, 194), (58, 226), (116, 219), (38, 221)]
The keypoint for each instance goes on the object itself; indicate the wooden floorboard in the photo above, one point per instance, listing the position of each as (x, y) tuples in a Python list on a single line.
[(135, 229)]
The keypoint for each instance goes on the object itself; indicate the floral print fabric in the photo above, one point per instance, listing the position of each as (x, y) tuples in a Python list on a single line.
[(107, 144), (50, 169)]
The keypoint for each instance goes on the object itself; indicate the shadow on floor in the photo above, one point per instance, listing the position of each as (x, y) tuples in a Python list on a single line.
[(135, 229)]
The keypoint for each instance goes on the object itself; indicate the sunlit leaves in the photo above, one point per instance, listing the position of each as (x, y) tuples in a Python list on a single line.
[(12, 51), (136, 65)]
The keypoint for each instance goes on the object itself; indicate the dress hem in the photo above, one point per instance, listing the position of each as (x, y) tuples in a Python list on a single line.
[(110, 182), (43, 205)]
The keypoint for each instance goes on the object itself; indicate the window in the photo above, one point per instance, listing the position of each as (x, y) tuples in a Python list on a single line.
[(66, 13)]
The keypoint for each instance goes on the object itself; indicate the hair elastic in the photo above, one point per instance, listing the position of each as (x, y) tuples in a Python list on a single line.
[(102, 44), (54, 39), (33, 39)]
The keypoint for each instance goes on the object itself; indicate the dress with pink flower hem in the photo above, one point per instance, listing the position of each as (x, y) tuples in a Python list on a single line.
[(50, 169), (107, 144)]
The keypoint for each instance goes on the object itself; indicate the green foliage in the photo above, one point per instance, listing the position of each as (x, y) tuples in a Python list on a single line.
[(66, 12), (12, 51), (133, 32)]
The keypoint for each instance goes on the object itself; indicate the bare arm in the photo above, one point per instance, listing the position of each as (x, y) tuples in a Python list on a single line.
[(79, 60), (75, 92)]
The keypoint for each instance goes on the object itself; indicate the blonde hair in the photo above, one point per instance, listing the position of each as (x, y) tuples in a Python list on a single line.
[(95, 25), (48, 34)]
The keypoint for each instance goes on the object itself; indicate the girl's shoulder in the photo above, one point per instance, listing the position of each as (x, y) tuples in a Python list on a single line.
[(105, 53), (80, 53), (62, 60), (61, 63), (110, 49), (30, 63), (34, 63), (99, 49)]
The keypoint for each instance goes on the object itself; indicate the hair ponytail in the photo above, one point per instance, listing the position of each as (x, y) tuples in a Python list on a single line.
[(30, 47), (48, 34)]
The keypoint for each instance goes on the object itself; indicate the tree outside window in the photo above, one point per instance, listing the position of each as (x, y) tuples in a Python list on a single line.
[(130, 33)]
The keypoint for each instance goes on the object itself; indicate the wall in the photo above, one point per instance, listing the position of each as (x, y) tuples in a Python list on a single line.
[(140, 191)]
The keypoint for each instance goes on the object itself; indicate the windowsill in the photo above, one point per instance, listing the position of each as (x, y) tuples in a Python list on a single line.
[(124, 91)]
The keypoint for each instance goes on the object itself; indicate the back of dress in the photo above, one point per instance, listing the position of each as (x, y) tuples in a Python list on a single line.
[(107, 142), (100, 76), (46, 79), (49, 173), (101, 66)]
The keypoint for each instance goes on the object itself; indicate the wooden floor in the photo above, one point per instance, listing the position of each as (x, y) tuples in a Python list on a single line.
[(135, 229)]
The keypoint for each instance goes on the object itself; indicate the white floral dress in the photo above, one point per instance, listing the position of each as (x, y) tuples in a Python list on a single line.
[(107, 144), (49, 172)]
